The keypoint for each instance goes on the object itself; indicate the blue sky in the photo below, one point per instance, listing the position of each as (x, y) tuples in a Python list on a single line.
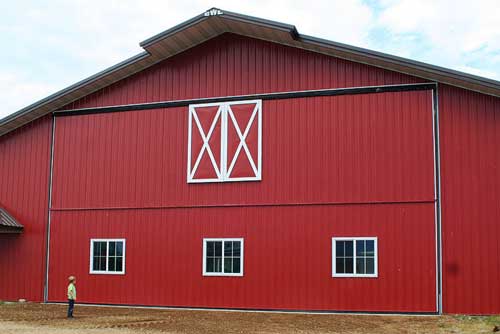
[(48, 45)]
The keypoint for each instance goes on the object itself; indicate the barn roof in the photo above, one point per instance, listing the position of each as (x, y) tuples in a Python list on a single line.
[(8, 224), (215, 22)]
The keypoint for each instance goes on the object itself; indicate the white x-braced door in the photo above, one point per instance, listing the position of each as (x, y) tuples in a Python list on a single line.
[(225, 142)]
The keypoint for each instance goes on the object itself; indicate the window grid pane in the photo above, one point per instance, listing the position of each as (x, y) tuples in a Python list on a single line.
[(107, 256), (214, 257), (366, 251), (223, 257), (355, 257), (344, 257)]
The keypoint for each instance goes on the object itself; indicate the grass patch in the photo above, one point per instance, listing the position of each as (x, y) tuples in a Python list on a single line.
[(471, 320)]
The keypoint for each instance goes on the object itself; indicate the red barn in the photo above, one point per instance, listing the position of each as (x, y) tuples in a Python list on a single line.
[(236, 163)]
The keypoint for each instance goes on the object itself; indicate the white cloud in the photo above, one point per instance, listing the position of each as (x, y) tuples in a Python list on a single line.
[(458, 33), (18, 89), (463, 26), (478, 71)]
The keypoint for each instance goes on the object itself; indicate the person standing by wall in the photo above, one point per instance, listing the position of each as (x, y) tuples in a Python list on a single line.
[(71, 295)]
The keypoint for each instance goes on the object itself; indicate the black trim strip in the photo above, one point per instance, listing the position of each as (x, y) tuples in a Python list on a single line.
[(245, 205), (268, 96), (202, 309)]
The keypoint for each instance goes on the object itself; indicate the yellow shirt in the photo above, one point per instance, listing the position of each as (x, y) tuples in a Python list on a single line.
[(71, 291)]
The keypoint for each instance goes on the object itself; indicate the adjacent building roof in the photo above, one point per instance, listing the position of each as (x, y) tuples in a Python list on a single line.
[(8, 224), (215, 22)]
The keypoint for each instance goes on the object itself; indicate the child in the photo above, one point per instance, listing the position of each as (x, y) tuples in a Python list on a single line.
[(71, 295)]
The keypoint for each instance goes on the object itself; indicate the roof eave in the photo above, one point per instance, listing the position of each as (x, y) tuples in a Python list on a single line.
[(227, 15)]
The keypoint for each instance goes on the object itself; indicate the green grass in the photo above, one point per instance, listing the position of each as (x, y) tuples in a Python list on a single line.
[(492, 320)]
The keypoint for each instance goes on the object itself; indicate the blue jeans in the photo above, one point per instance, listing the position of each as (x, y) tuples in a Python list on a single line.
[(71, 306)]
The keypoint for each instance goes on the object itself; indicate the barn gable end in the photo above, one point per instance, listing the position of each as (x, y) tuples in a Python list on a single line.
[(341, 146)]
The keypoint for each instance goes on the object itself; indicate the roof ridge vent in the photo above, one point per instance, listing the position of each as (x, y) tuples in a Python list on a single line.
[(213, 12)]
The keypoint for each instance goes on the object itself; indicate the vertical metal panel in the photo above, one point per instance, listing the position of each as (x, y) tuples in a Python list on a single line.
[(234, 65), (24, 165), (470, 160), (287, 257), (342, 149)]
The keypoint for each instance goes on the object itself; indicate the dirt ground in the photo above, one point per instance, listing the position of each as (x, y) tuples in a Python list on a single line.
[(44, 319)]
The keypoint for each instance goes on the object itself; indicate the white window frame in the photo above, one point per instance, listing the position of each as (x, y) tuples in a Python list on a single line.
[(226, 115), (106, 272), (354, 239), (205, 273)]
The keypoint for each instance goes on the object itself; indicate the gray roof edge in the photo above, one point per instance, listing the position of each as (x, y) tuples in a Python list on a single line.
[(75, 86), (164, 34), (223, 13), (270, 23), (399, 60)]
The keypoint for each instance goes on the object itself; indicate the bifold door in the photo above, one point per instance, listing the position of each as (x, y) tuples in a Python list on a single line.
[(353, 168)]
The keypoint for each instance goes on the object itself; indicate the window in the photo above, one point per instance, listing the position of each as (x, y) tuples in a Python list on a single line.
[(224, 142), (107, 256), (223, 257), (354, 257)]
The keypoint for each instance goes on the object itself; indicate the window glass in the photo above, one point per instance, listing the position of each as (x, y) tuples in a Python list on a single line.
[(223, 257), (111, 264), (360, 248), (218, 249), (99, 256), (354, 257), (360, 265), (236, 248), (214, 256), (228, 248), (370, 248), (370, 265), (348, 248), (349, 266), (340, 265), (340, 248), (119, 264), (236, 265), (107, 256), (228, 265), (119, 249), (112, 248)]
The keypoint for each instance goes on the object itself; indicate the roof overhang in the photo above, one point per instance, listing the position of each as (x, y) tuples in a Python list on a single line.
[(8, 224), (215, 22)]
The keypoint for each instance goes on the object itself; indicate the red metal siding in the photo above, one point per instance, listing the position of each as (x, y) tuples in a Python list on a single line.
[(24, 173), (470, 169), (287, 257), (234, 65), (344, 149)]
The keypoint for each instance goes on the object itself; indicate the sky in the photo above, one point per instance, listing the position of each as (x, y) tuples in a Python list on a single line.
[(49, 45)]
